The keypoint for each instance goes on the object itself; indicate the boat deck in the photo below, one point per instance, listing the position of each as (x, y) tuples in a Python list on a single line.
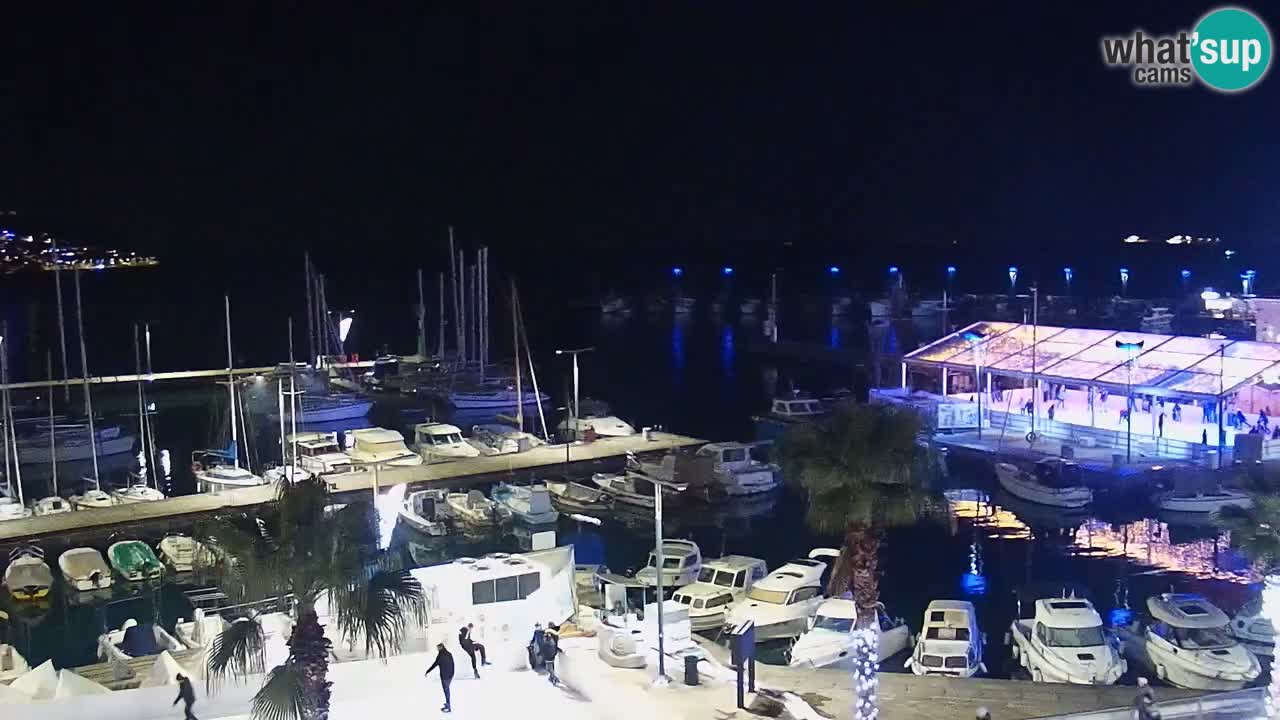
[(130, 676), (180, 512)]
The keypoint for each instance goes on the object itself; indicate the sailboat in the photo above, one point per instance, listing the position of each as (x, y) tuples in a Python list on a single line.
[(53, 504), (139, 490), (95, 498), (217, 470), (11, 504)]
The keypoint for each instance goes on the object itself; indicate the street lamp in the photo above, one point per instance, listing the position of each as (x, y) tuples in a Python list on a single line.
[(1124, 281), (895, 275), (1013, 277), (1186, 278), (1067, 274), (658, 560), (575, 353), (1130, 348), (975, 342)]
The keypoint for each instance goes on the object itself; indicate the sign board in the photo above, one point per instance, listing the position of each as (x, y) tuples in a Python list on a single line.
[(957, 416)]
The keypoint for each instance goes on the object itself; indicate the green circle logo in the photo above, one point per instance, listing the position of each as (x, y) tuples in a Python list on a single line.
[(1231, 49)]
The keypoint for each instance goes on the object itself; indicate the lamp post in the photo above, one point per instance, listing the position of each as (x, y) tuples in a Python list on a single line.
[(1067, 274), (1130, 348), (1124, 281), (574, 410), (895, 276), (658, 561), (1013, 278), (975, 342), (1186, 279)]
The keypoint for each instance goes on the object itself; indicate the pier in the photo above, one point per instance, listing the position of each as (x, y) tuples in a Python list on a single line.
[(545, 460)]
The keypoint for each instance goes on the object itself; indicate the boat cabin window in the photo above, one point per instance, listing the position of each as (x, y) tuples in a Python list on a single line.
[(723, 578), (780, 407), (733, 455), (837, 624), (803, 594), (682, 599), (773, 597), (668, 562), (740, 580), (1070, 637), (719, 601), (947, 633), (444, 438), (1194, 638), (505, 589)]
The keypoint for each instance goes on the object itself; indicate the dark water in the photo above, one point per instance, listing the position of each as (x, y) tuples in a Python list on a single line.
[(699, 375)]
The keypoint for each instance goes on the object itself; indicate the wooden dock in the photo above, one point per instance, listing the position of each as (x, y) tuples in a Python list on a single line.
[(130, 675), (179, 512)]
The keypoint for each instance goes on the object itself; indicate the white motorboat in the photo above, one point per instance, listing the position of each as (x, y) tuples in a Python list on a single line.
[(318, 453), (829, 639), (441, 442), (1187, 645), (795, 409), (721, 583), (424, 511), (736, 472), (780, 604), (474, 509), (496, 399), (84, 570), (1065, 643), (574, 497), (632, 489), (11, 509), (330, 408), (134, 640), (183, 553), (1203, 501), (378, 446), (497, 439), (1253, 629), (1048, 486), (136, 493), (28, 577), (681, 564), (1156, 319), (218, 470), (950, 643), (531, 504), (92, 499), (601, 426), (12, 663), (52, 505), (71, 442)]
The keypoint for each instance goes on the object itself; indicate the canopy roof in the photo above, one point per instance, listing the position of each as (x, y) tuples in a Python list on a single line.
[(1162, 364)]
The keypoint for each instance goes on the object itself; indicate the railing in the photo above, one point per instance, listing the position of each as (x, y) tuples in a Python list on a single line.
[(1239, 705), (1016, 426)]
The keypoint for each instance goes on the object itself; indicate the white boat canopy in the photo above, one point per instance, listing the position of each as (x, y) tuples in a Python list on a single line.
[(1186, 611)]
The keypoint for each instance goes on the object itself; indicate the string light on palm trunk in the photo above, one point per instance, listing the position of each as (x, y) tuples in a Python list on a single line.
[(1271, 609), (866, 668)]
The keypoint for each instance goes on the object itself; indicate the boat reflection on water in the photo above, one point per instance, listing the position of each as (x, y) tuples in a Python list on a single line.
[(1149, 542)]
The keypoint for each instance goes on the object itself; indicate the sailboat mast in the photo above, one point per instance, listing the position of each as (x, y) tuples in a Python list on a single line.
[(62, 331), (462, 311), (422, 319), (515, 344), (440, 310), (88, 396), (457, 310), (142, 408), (293, 396), (311, 315), (151, 431), (53, 436), (10, 430), (231, 383), (533, 374), (4, 412), (484, 310)]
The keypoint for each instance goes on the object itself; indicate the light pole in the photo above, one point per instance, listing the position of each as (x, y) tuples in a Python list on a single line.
[(658, 562), (574, 410), (975, 342), (1013, 278), (1067, 274), (1129, 347)]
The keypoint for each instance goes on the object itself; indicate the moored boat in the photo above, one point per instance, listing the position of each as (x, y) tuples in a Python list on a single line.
[(574, 497), (91, 499), (135, 561), (1055, 484), (474, 509), (1187, 644), (84, 570), (135, 640), (530, 504), (136, 493), (183, 553), (28, 577), (829, 639), (11, 509), (1209, 501), (52, 505), (379, 446), (950, 644), (424, 511)]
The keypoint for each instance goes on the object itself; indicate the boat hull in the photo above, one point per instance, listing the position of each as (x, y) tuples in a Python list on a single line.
[(434, 528), (1015, 485), (1203, 504), (493, 401), (351, 411), (68, 451)]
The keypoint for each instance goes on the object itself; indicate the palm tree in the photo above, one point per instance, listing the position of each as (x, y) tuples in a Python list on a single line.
[(1255, 532), (863, 471), (302, 552)]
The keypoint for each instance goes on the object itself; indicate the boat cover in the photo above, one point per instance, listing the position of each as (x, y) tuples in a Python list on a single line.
[(1186, 611), (140, 641), (133, 556), (29, 575)]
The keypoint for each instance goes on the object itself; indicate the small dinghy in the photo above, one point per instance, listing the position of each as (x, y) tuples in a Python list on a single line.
[(135, 561), (140, 492), (182, 553), (1055, 483), (474, 509), (575, 497), (92, 499), (84, 570), (28, 576), (1210, 501), (531, 504), (134, 640), (424, 511)]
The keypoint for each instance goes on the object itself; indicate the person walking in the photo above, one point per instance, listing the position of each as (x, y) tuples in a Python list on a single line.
[(551, 648), (187, 695), (1161, 424), (535, 647), (1145, 701), (444, 661), (471, 647)]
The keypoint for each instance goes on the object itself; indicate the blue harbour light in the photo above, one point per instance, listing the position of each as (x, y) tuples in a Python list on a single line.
[(677, 271), (893, 269), (1185, 274), (1068, 273), (834, 269), (727, 270), (1013, 276), (951, 269)]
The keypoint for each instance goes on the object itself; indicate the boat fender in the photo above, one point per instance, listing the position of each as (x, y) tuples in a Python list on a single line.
[(1008, 640)]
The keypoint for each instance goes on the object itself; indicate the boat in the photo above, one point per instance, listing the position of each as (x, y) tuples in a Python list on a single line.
[(781, 603), (1065, 642), (135, 640), (12, 663), (379, 446), (498, 439), (136, 493), (28, 577), (574, 497), (135, 561), (84, 570), (950, 642), (631, 489), (200, 631), (442, 442), (681, 564), (599, 425), (736, 472), (1156, 319), (183, 553), (318, 453), (1252, 628), (615, 304), (71, 441), (1055, 483), (91, 499), (218, 470), (1187, 644), (329, 408), (474, 509), (530, 504), (497, 399), (1203, 501), (829, 639), (721, 583), (52, 505), (424, 511), (795, 409), (11, 509), (749, 306)]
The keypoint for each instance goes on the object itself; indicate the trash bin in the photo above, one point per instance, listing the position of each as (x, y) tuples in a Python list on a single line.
[(690, 670)]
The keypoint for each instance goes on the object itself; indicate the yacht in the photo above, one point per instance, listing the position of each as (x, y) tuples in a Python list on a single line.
[(681, 563), (627, 488), (136, 493), (474, 509), (531, 504), (829, 639), (330, 408), (441, 442), (736, 472), (1251, 627), (216, 470), (52, 505), (1055, 483), (573, 497), (602, 426), (28, 576), (1187, 645), (782, 602), (721, 583), (497, 439), (92, 499), (84, 570), (11, 509), (1064, 642), (71, 441), (183, 553), (378, 446), (1156, 319), (318, 453), (496, 399), (1203, 502), (424, 511), (950, 642), (134, 640), (135, 561), (795, 409)]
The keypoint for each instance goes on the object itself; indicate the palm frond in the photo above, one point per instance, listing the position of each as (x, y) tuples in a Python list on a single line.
[(379, 608), (236, 651), (283, 696)]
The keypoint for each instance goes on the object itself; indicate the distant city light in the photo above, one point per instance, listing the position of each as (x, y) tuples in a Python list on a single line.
[(727, 270), (834, 269), (1177, 240), (1228, 253), (1186, 274), (677, 271), (893, 269)]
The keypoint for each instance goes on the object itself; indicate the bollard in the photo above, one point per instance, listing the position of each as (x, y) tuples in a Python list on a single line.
[(690, 670)]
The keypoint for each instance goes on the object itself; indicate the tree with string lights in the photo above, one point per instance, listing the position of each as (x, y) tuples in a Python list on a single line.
[(1255, 532), (863, 471)]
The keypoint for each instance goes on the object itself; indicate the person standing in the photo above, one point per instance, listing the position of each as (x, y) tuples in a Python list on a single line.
[(187, 695), (444, 661), (535, 647), (471, 647), (1161, 424), (551, 648)]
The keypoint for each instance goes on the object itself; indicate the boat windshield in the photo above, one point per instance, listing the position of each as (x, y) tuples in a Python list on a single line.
[(668, 562), (723, 578), (773, 597), (838, 624), (1202, 638), (446, 439), (1074, 637)]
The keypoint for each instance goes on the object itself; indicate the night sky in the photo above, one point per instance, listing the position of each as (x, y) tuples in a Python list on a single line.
[(598, 143)]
